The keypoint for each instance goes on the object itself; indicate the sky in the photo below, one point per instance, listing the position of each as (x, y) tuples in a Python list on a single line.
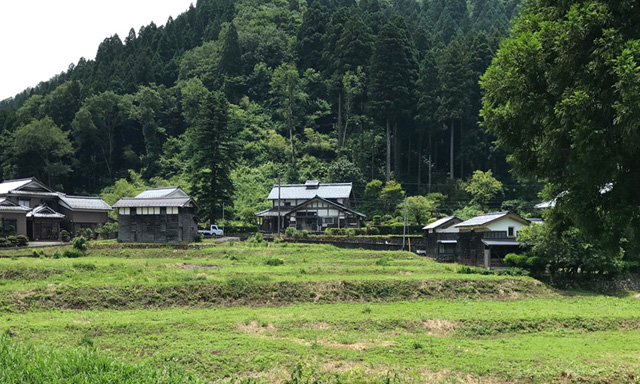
[(40, 38)]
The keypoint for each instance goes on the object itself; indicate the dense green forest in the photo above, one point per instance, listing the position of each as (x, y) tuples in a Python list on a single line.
[(326, 89)]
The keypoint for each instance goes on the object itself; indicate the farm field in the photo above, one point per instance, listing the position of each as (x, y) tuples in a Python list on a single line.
[(299, 313)]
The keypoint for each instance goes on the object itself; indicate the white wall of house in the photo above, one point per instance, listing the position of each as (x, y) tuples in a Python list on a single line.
[(504, 223)]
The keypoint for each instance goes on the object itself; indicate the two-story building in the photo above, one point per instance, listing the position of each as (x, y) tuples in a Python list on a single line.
[(312, 206), (157, 215), (483, 240), (30, 208)]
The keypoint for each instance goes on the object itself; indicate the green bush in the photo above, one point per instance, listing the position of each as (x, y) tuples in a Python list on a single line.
[(198, 238), (107, 229), (515, 260), (56, 255), (22, 240), (65, 236), (13, 241), (305, 233), (274, 261), (292, 232), (4, 242), (373, 231), (72, 253), (350, 232), (256, 241), (80, 243), (87, 233)]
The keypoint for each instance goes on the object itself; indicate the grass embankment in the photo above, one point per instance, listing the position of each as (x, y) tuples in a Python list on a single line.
[(157, 278), (359, 317)]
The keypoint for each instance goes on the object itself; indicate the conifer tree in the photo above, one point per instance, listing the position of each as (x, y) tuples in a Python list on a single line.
[(394, 72)]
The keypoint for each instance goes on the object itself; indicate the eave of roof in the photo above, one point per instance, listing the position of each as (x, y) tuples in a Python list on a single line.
[(134, 202), (485, 219), (339, 206), (440, 222)]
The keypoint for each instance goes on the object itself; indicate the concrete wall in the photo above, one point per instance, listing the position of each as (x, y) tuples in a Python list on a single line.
[(21, 218), (161, 228)]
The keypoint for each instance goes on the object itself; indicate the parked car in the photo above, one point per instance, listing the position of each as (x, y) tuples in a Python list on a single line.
[(212, 231)]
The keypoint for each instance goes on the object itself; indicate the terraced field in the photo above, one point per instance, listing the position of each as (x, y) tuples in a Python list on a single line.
[(305, 314)]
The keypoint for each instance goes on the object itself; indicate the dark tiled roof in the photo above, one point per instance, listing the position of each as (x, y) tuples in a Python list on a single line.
[(83, 203)]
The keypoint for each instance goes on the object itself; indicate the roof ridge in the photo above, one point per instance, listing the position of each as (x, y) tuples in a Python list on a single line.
[(14, 180), (157, 188)]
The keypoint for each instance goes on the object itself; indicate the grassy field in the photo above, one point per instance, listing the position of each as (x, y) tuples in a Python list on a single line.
[(305, 314)]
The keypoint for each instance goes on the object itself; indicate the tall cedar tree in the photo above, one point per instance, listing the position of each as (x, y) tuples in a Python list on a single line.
[(310, 44), (212, 144), (453, 76), (394, 72), (230, 65), (562, 97), (427, 109)]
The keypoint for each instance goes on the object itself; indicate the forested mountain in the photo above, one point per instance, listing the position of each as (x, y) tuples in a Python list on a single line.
[(325, 89)]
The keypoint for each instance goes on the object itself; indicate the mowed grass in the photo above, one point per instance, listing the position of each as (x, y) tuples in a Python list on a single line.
[(363, 324)]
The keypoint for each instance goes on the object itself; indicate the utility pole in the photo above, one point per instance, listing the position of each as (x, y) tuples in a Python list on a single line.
[(279, 185), (404, 229)]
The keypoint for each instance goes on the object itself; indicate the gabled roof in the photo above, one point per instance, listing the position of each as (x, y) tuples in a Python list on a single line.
[(83, 203), (155, 193), (441, 222), (30, 184), (135, 202), (484, 219), (273, 212), (9, 206), (311, 189), (339, 206), (45, 212)]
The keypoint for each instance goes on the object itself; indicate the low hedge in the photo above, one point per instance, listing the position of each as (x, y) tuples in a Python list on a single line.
[(14, 241)]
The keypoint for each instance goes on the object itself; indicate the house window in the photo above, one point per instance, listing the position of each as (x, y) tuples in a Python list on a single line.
[(156, 211), (329, 220), (25, 203), (511, 232), (124, 211), (9, 226), (287, 203), (172, 210), (446, 248)]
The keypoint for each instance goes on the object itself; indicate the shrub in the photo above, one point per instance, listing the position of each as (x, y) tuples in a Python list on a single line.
[(377, 219), (87, 233), (198, 238), (13, 241), (256, 241), (292, 232), (515, 260), (22, 240), (350, 232), (305, 233), (274, 261), (65, 236), (72, 253), (80, 243), (107, 229), (4, 242), (56, 255), (373, 231)]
